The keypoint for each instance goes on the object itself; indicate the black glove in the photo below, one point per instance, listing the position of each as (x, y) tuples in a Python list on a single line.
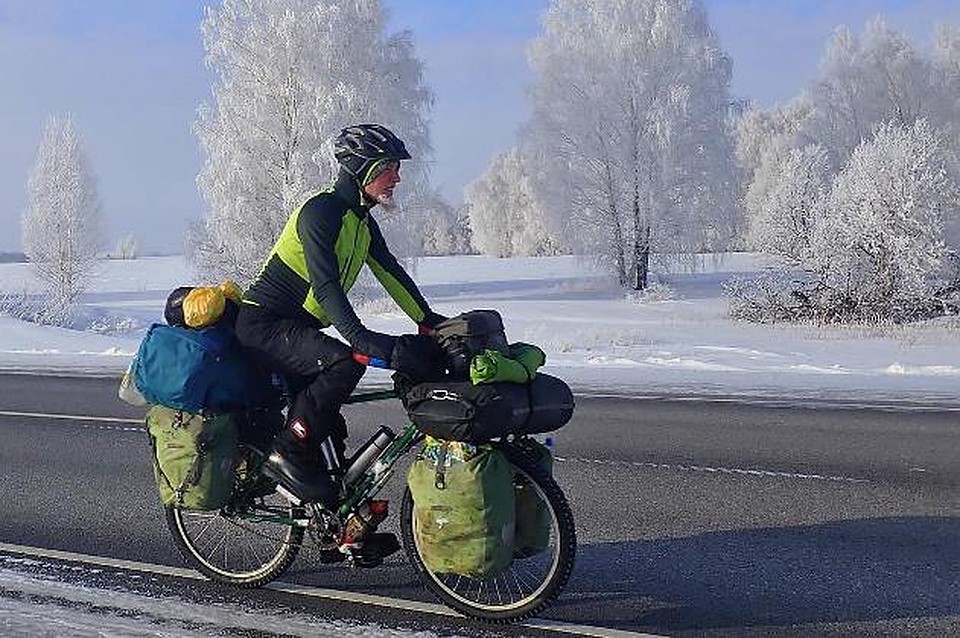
[(376, 345), (418, 357)]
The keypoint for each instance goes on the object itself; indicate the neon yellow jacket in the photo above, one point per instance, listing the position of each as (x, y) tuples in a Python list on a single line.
[(318, 256)]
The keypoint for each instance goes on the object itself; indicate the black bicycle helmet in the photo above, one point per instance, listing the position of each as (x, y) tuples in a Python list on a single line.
[(359, 147)]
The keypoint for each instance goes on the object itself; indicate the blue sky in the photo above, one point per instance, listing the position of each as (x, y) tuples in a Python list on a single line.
[(132, 73)]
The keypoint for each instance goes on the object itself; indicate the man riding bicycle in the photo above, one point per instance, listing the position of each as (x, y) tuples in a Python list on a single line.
[(301, 290)]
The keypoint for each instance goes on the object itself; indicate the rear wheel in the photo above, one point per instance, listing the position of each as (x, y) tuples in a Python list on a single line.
[(530, 582), (251, 541)]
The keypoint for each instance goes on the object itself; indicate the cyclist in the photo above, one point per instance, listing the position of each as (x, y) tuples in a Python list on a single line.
[(301, 290)]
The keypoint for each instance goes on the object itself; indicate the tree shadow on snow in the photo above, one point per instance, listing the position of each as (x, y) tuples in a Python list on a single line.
[(846, 571)]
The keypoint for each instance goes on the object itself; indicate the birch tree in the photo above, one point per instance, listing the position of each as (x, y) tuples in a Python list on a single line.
[(767, 136), (866, 81), (62, 222), (630, 129), (947, 66), (443, 231), (290, 74), (784, 199), (505, 213)]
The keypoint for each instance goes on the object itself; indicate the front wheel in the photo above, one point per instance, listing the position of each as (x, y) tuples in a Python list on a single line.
[(532, 580), (248, 543)]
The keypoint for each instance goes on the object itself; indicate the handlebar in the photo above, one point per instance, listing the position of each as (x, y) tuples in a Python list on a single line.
[(367, 360)]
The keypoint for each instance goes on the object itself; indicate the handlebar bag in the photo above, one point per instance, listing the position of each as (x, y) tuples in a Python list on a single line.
[(194, 457), (461, 411), (464, 508), (469, 334)]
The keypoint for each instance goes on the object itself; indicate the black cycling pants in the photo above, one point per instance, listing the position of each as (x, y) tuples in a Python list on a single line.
[(317, 369)]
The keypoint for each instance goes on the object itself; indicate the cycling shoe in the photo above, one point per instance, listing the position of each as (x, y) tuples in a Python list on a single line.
[(374, 549)]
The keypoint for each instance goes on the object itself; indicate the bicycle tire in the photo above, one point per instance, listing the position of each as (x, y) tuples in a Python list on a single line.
[(229, 545), (490, 598)]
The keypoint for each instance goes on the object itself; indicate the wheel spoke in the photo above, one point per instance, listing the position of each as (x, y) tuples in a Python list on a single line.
[(527, 584), (516, 582), (248, 547), (210, 520)]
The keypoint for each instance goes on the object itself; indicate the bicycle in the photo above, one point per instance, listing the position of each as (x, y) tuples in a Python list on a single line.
[(259, 533)]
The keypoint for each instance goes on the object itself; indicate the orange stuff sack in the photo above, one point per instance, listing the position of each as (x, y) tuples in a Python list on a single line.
[(203, 306), (200, 306)]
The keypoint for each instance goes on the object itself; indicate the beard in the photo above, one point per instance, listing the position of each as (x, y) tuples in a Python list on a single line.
[(387, 203)]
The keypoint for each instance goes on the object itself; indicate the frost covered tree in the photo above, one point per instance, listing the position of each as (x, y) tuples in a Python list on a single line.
[(878, 247), (866, 81), (784, 199), (766, 154), (486, 200), (505, 214), (947, 47), (62, 222), (443, 231), (289, 75), (126, 248), (767, 136), (873, 163), (630, 129), (947, 64)]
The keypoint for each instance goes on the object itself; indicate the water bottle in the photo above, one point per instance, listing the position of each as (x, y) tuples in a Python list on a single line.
[(368, 453)]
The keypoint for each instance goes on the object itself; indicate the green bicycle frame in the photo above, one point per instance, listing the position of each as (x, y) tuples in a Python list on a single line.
[(380, 472), (373, 479)]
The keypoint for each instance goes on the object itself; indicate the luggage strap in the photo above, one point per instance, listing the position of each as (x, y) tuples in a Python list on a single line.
[(440, 480)]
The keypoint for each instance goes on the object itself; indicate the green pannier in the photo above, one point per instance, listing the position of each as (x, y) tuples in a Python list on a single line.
[(194, 457), (532, 534), (464, 506)]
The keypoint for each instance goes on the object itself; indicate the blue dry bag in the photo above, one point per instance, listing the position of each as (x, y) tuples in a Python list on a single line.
[(193, 370)]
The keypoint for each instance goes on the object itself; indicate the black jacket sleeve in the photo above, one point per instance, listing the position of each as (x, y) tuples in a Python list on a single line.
[(318, 227)]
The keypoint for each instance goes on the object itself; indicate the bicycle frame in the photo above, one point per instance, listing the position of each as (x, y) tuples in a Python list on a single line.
[(376, 476), (380, 472)]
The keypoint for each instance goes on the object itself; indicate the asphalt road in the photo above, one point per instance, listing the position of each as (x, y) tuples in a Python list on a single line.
[(694, 518)]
